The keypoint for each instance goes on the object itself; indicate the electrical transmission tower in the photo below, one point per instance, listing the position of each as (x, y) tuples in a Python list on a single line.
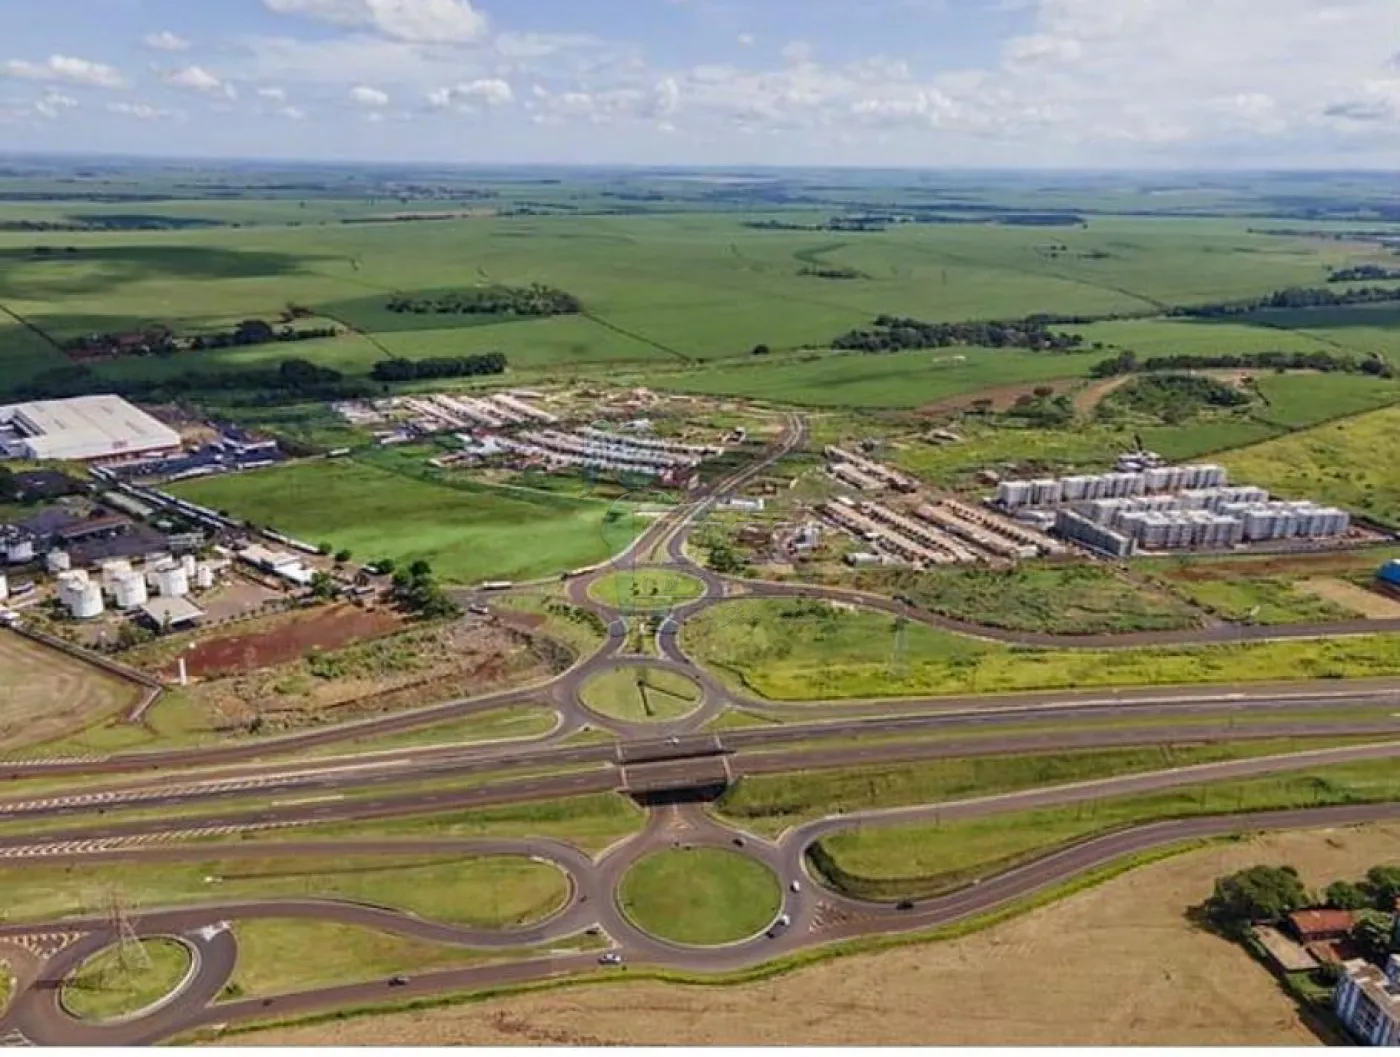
[(131, 952)]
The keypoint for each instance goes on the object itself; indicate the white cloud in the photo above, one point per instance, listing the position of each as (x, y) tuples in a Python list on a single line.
[(141, 111), (372, 98), (420, 21), (746, 40), (64, 68), (198, 79), (165, 41), (468, 95), (292, 113), (273, 93), (797, 51), (55, 103)]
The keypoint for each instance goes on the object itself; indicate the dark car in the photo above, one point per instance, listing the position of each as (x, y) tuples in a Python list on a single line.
[(397, 981), (904, 904)]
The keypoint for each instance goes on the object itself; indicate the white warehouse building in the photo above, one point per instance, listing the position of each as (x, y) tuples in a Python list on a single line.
[(83, 428)]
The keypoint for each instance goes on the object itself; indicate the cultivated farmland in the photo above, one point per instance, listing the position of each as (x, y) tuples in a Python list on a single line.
[(48, 693)]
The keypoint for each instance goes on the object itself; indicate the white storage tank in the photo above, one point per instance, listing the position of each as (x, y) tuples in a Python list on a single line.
[(204, 576), (19, 551), (112, 572), (4, 588), (172, 582), (130, 592), (188, 563), (86, 603), (58, 561)]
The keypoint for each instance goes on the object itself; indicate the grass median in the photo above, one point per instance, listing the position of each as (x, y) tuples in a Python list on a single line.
[(702, 897), (806, 650), (642, 695), (478, 891), (770, 804), (916, 861)]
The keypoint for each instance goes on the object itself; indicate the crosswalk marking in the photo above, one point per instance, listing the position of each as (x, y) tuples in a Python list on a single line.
[(58, 849)]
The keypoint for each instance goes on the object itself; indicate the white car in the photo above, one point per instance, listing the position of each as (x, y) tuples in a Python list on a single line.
[(610, 958), (796, 886)]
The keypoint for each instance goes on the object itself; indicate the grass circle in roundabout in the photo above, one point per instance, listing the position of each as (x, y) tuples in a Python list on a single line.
[(646, 590), (642, 693), (703, 897), (118, 982)]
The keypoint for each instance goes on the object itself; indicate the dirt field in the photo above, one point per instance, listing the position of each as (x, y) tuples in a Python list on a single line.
[(1116, 965), (1370, 604), (47, 694), (419, 666), (1290, 566), (287, 638)]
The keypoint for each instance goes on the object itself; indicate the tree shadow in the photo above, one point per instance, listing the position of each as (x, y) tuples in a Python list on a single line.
[(64, 271)]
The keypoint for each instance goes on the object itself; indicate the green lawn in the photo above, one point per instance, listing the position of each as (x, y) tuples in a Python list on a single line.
[(116, 983), (908, 861), (642, 695), (646, 590), (1061, 599), (770, 804), (469, 534), (789, 651), (468, 890), (703, 896), (1343, 463), (497, 725), (1263, 601)]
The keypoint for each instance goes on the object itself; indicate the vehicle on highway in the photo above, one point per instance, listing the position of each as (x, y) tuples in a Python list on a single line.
[(904, 904), (479, 611), (738, 842), (610, 958), (784, 920), (796, 886), (397, 981)]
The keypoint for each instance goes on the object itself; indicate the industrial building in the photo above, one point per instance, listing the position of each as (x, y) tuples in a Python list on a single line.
[(278, 563), (989, 532), (673, 464), (83, 428)]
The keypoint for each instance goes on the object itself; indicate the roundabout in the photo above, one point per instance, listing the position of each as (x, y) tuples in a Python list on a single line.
[(700, 897), (128, 981), (646, 591), (642, 693)]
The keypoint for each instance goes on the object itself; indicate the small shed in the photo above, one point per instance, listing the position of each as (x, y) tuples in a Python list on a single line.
[(1316, 926), (169, 613)]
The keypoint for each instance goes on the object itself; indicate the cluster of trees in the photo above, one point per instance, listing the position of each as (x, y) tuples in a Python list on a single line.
[(533, 300), (1293, 297), (1328, 362), (416, 589), (833, 272), (1173, 398), (871, 225), (891, 333), (1043, 409), (160, 341), (439, 367), (1363, 273), (1267, 893), (299, 379)]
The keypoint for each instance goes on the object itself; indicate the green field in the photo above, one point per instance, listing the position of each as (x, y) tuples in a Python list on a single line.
[(1343, 463), (808, 652), (1060, 599), (118, 982), (892, 380), (467, 534), (642, 695), (912, 861), (701, 897)]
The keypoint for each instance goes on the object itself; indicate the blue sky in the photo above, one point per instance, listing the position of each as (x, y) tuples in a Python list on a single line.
[(931, 83)]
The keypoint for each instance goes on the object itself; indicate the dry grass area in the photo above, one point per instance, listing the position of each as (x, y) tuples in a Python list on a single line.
[(1114, 965), (417, 667), (47, 694), (1370, 604)]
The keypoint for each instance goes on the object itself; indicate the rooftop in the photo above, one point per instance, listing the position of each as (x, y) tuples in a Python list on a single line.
[(85, 427), (1312, 922), (171, 612)]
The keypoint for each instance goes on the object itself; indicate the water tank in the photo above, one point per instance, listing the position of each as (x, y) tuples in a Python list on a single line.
[(188, 564), (172, 582), (19, 551), (4, 588), (204, 576), (113, 571), (130, 592), (58, 561), (86, 603)]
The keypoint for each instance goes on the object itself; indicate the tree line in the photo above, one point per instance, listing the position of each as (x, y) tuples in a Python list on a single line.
[(294, 378), (161, 341), (439, 367), (1363, 273), (1293, 297), (533, 300), (1327, 362), (891, 334)]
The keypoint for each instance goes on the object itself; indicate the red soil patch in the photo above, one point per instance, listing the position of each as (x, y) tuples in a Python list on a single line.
[(289, 640)]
